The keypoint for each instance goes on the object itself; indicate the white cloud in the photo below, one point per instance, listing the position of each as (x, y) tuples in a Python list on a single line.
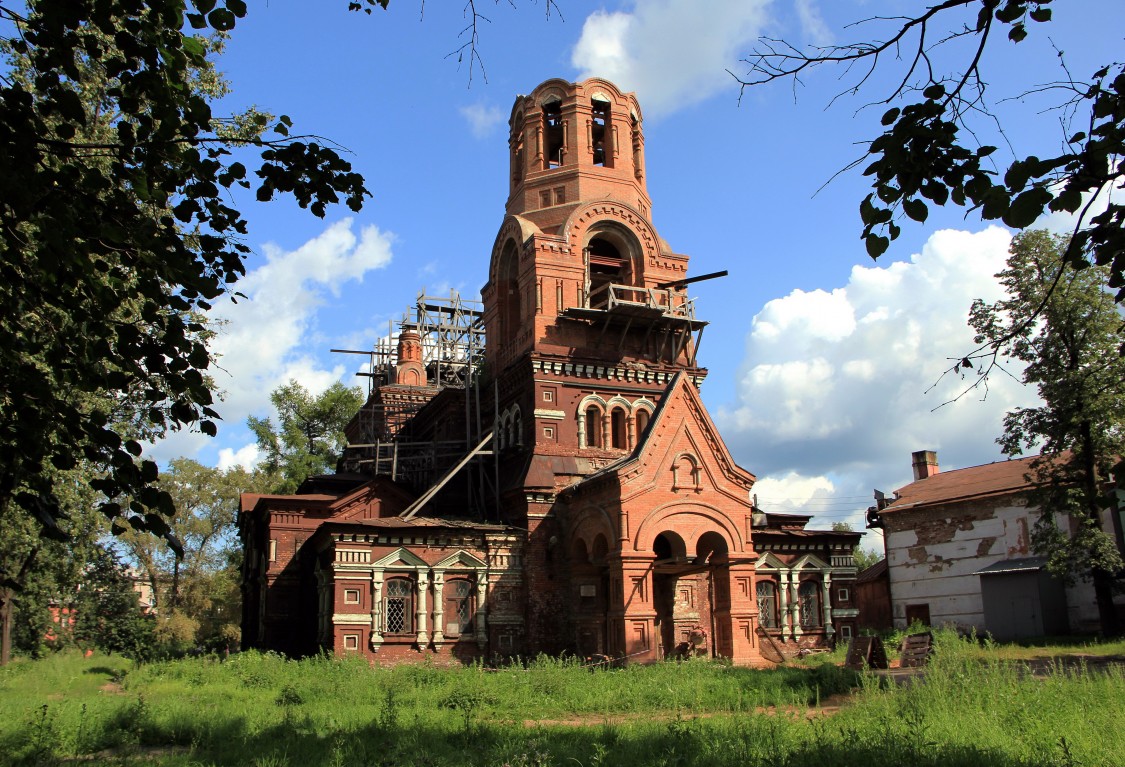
[(246, 456), (671, 52), (832, 392), (482, 119), (813, 29), (263, 340)]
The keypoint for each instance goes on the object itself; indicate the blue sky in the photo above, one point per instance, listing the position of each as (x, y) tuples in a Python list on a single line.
[(819, 358)]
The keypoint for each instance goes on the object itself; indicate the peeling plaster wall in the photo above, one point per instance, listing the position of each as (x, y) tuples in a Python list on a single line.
[(933, 556)]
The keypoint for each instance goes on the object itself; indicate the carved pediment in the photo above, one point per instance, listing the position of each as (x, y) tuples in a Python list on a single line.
[(460, 560), (400, 558)]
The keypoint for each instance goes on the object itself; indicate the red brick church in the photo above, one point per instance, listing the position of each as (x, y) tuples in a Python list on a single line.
[(537, 472)]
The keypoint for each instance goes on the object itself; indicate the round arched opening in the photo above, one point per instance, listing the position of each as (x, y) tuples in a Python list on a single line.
[(669, 545), (600, 549), (613, 258), (712, 547), (578, 553)]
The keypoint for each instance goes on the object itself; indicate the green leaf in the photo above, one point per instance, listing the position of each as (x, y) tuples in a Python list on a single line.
[(194, 46), (1017, 33), (221, 19), (934, 92), (1041, 15), (891, 115), (915, 209), (876, 245)]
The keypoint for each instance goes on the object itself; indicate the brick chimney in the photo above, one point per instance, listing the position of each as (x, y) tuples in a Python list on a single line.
[(925, 464)]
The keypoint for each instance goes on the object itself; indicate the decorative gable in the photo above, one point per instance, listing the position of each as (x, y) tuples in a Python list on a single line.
[(460, 560), (402, 558)]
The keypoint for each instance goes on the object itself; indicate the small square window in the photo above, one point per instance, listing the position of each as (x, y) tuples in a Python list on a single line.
[(351, 596), (560, 195), (843, 595), (544, 199), (846, 632), (351, 641), (549, 432), (548, 396)]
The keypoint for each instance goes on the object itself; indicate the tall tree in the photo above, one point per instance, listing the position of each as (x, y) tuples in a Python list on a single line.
[(309, 436), (928, 152), (116, 228), (1063, 325), (193, 592)]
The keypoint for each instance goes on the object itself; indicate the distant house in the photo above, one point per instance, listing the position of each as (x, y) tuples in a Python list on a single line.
[(805, 581), (959, 553)]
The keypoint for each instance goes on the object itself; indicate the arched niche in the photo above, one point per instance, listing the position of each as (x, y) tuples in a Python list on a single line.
[(599, 550), (508, 306)]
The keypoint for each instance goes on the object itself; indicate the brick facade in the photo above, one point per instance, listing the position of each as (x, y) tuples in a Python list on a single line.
[(620, 523)]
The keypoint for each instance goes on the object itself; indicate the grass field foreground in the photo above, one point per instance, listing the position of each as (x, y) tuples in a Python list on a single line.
[(974, 706)]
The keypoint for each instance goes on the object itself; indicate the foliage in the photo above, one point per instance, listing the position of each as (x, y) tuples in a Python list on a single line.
[(197, 595), (1063, 325), (928, 152), (309, 436), (108, 612), (864, 558), (117, 228), (971, 707), (38, 574)]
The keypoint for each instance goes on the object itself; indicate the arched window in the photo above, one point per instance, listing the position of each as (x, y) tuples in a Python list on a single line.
[(601, 133), (642, 423), (593, 426), (808, 597), (618, 438), (398, 606), (607, 267), (554, 140), (459, 606), (767, 604)]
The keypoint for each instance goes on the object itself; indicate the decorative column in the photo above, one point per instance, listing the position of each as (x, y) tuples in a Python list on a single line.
[(783, 617), (439, 609), (423, 637), (376, 610), (795, 605), (480, 620), (829, 629), (581, 429)]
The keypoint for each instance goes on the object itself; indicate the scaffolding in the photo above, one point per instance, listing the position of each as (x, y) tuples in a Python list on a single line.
[(384, 437)]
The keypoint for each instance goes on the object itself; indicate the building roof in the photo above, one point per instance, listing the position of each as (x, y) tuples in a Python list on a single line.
[(991, 479), (872, 573), (1015, 565)]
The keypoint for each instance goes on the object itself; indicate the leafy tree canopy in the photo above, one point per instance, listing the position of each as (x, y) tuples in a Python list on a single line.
[(309, 436), (1063, 325), (927, 152), (116, 229)]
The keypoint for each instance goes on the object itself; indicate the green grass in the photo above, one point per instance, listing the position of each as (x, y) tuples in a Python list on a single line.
[(973, 706)]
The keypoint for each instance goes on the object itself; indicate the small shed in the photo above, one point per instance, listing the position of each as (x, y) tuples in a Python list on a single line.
[(873, 598), (1022, 600)]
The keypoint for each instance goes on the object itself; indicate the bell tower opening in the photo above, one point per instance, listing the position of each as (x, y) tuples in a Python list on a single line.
[(553, 135), (601, 133)]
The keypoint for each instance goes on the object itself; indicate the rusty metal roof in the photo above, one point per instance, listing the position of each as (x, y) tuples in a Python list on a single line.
[(1000, 478)]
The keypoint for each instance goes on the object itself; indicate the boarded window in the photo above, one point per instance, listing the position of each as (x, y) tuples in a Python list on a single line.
[(459, 607)]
